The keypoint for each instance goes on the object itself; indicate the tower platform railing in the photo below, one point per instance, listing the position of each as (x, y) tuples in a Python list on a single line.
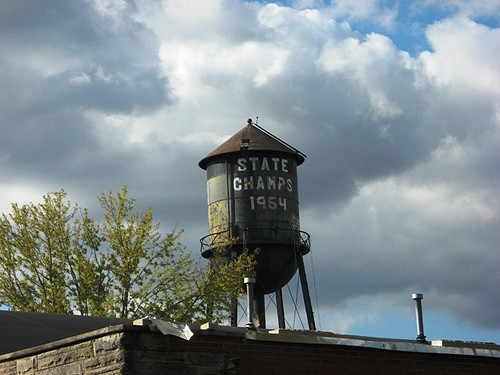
[(275, 236)]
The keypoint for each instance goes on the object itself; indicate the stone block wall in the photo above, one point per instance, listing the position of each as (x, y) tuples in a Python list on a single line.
[(130, 350), (101, 355)]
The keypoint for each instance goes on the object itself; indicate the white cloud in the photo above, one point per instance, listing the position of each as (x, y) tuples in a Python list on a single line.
[(111, 8), (196, 69), (277, 61), (360, 60), (369, 10), (464, 53), (80, 79)]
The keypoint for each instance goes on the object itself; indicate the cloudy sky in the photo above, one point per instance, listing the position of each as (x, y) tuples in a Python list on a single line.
[(395, 103)]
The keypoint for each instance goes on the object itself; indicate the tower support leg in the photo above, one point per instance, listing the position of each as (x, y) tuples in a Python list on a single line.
[(234, 312), (260, 309), (280, 309), (305, 293)]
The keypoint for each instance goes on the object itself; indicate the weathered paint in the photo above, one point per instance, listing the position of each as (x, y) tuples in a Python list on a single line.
[(252, 191)]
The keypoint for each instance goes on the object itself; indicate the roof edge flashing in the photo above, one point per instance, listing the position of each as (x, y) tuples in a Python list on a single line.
[(373, 343)]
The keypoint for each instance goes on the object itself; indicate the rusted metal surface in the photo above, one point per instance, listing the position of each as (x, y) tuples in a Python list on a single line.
[(252, 138)]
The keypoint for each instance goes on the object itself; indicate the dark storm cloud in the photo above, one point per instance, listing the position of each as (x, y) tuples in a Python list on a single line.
[(57, 22), (330, 120), (386, 245), (69, 61)]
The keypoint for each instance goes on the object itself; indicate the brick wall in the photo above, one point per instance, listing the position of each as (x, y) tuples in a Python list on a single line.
[(137, 350), (273, 358)]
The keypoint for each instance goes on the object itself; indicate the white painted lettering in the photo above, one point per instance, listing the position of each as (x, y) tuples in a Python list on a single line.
[(271, 182), (254, 160), (284, 165), (276, 163), (265, 164), (237, 184), (260, 183), (281, 183), (272, 202), (263, 202), (242, 164), (248, 183), (282, 202)]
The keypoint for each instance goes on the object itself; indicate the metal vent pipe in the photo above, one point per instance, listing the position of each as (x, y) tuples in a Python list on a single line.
[(417, 297), (249, 282)]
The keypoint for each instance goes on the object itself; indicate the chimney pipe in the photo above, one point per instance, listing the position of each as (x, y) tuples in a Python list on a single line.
[(249, 282), (417, 297)]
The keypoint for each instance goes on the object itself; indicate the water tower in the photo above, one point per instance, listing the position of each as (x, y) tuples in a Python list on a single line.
[(252, 194)]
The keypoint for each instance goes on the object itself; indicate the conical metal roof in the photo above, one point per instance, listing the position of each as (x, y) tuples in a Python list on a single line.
[(253, 138)]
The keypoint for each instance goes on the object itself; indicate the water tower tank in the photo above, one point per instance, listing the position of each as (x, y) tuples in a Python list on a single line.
[(252, 194)]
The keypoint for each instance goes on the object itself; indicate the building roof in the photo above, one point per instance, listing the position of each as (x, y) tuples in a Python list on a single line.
[(21, 330), (25, 334), (253, 138)]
